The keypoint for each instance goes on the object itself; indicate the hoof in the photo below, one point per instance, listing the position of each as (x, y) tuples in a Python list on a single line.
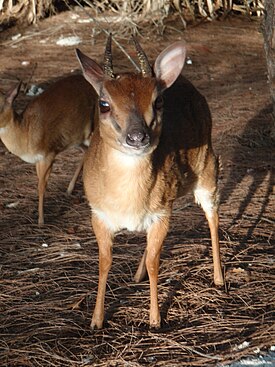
[(96, 324), (155, 324), (41, 221), (219, 282)]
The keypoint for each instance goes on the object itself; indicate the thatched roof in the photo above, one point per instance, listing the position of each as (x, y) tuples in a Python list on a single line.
[(29, 11)]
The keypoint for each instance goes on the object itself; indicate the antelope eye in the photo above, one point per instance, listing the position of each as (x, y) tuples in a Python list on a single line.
[(104, 106), (158, 103)]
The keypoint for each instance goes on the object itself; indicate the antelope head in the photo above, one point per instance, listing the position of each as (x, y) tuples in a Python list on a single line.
[(130, 104)]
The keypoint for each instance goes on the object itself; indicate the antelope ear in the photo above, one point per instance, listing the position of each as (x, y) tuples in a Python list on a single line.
[(92, 72), (169, 63), (13, 93)]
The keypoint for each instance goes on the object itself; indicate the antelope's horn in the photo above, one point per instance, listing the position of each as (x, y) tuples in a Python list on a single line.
[(108, 61), (145, 66)]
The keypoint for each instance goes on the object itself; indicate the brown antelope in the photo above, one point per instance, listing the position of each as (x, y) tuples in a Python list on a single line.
[(59, 118), (151, 145)]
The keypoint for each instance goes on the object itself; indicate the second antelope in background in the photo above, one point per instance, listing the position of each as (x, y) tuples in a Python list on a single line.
[(152, 144), (59, 118)]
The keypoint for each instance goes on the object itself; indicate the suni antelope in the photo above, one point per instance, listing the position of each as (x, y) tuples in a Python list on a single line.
[(151, 144), (59, 118)]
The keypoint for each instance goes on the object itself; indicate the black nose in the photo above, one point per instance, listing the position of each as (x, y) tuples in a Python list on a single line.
[(137, 138)]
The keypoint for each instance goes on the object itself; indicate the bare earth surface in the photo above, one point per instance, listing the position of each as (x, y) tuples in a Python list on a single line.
[(48, 275)]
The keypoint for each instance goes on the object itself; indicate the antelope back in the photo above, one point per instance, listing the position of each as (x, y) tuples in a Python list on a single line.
[(63, 114), (60, 117)]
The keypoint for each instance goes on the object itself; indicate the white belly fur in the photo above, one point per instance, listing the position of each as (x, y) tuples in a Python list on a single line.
[(127, 220), (31, 158), (21, 149)]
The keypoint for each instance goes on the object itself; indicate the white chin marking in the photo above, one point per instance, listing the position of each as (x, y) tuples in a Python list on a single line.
[(127, 159)]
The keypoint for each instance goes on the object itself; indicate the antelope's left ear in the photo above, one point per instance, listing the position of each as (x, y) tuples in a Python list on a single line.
[(92, 72), (169, 63)]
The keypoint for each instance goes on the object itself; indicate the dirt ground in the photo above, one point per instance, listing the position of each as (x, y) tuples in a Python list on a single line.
[(48, 275)]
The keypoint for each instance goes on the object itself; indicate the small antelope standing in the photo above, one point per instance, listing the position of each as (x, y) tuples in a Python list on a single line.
[(152, 144), (59, 118)]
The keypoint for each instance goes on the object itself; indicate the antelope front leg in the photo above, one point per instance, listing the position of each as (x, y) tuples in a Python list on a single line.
[(105, 243), (155, 238)]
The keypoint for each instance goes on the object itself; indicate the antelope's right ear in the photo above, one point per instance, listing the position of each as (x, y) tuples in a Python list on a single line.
[(169, 63), (13, 93), (92, 72)]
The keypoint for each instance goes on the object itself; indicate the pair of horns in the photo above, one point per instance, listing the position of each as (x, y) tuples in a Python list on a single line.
[(145, 67)]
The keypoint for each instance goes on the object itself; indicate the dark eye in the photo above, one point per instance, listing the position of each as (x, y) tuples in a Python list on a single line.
[(159, 103), (104, 106)]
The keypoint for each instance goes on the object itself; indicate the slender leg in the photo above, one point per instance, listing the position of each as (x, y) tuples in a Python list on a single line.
[(75, 176), (105, 242), (43, 169), (207, 200), (141, 271), (213, 222), (155, 238)]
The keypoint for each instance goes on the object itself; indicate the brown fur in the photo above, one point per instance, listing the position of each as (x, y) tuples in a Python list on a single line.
[(59, 118), (135, 188)]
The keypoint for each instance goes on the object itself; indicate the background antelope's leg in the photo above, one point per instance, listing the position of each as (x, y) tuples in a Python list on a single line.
[(141, 271), (43, 170), (155, 238), (105, 242), (75, 176)]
